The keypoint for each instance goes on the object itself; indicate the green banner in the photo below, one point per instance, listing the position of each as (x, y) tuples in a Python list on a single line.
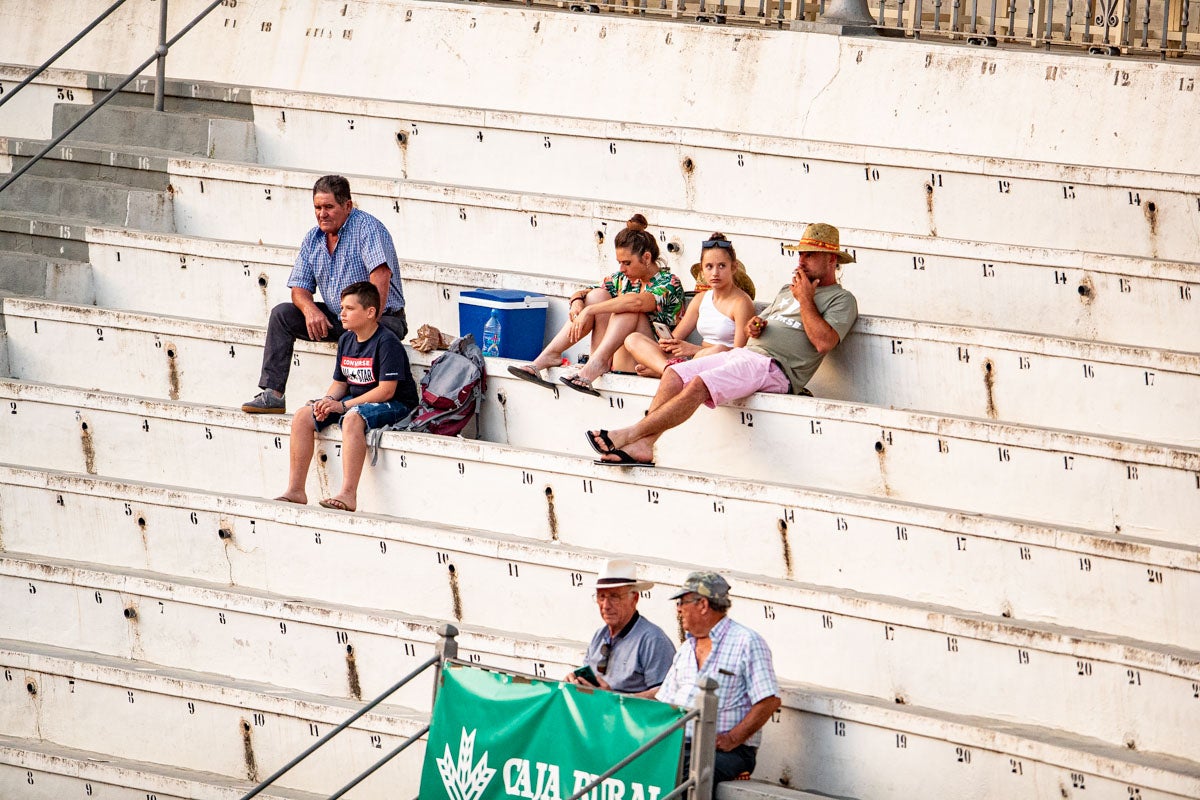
[(495, 735)]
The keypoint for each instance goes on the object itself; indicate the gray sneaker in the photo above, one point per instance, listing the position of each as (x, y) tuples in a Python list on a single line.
[(268, 401)]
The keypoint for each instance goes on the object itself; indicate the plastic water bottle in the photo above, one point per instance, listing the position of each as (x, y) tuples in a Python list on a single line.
[(491, 335)]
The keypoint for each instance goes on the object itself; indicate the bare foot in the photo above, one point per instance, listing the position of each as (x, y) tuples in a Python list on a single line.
[(647, 372), (299, 498)]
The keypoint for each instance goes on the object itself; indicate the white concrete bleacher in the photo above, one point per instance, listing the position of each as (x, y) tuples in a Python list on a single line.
[(845, 632), (1021, 471), (86, 498), (1150, 508)]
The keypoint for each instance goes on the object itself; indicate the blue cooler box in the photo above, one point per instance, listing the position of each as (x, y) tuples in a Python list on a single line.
[(522, 319)]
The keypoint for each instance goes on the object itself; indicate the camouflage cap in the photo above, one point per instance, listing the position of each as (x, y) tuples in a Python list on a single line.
[(705, 584)]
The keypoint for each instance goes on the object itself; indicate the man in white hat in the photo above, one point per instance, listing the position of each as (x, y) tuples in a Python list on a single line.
[(629, 653), (786, 344)]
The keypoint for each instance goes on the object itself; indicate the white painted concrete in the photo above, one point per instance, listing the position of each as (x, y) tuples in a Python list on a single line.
[(984, 374), (60, 772), (1123, 300), (159, 726), (987, 565), (1094, 111)]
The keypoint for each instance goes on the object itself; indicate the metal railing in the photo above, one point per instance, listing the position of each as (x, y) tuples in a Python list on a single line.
[(447, 650), (1111, 27), (160, 56)]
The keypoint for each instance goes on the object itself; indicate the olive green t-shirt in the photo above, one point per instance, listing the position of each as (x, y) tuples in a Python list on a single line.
[(784, 339)]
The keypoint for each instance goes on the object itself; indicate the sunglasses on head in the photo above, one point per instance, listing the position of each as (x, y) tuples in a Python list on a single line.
[(724, 244)]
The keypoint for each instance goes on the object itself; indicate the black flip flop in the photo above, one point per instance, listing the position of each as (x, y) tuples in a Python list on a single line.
[(603, 434), (532, 377), (579, 385), (626, 460)]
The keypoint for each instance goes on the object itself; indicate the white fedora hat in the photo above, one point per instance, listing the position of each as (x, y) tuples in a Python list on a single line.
[(620, 573)]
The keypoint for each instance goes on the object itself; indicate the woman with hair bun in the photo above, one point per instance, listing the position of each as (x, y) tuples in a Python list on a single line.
[(724, 303), (643, 291)]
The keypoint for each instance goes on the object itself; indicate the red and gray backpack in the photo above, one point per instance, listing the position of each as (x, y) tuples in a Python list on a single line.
[(451, 392)]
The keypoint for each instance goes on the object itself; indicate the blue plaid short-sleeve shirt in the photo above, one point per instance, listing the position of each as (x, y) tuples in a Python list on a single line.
[(363, 244), (740, 662)]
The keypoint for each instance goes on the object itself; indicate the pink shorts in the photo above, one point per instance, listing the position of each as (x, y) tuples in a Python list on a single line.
[(734, 374)]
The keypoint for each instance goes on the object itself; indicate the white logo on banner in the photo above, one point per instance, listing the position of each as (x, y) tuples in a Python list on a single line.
[(466, 781)]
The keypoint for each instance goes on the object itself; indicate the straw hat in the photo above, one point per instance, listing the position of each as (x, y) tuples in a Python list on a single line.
[(820, 237), (621, 573)]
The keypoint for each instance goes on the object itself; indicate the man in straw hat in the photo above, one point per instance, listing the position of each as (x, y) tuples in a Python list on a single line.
[(740, 662), (786, 344), (629, 653)]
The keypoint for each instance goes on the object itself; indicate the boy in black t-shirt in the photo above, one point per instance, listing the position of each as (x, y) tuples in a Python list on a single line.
[(372, 388)]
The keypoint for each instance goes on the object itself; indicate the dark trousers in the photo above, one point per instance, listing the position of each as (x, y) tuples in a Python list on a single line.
[(286, 325), (726, 765)]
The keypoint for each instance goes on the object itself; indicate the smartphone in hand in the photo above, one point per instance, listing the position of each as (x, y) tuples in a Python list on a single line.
[(585, 673), (662, 331)]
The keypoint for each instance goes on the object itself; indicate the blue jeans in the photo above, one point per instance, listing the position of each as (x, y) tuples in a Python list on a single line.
[(376, 415)]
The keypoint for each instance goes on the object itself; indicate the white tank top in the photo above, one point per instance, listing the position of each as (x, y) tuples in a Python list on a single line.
[(713, 326)]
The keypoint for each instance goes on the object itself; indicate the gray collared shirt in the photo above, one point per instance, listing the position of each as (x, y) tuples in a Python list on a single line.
[(638, 660)]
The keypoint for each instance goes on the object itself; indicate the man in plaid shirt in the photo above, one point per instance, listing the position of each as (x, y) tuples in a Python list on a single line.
[(740, 662), (346, 246)]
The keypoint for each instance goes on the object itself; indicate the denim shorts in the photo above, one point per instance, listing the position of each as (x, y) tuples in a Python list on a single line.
[(376, 415)]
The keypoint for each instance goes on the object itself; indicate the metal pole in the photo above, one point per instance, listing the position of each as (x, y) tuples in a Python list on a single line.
[(704, 739), (447, 647), (1166, 19), (46, 65), (160, 80), (1067, 25), (128, 79)]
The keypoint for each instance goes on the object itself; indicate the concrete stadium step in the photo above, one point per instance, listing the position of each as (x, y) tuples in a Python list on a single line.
[(1137, 212), (933, 558), (190, 133), (858, 747), (38, 770), (198, 721), (45, 577), (1149, 491), (128, 165), (435, 46), (37, 275), (95, 201), (1057, 292), (569, 238), (868, 450), (54, 236), (928, 655), (307, 645), (983, 374), (1134, 212)]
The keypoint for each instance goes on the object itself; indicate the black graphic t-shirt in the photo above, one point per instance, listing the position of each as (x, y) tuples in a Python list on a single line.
[(362, 365)]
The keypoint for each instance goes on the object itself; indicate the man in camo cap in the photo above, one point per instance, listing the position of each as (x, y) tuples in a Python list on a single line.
[(733, 655)]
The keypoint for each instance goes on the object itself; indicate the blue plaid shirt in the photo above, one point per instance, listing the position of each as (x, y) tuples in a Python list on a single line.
[(740, 662), (363, 244)]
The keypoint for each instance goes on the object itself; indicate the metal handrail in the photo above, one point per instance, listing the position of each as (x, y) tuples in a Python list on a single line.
[(160, 54), (46, 65), (447, 648)]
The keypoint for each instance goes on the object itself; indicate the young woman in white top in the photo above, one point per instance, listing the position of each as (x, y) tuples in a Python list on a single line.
[(719, 314)]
